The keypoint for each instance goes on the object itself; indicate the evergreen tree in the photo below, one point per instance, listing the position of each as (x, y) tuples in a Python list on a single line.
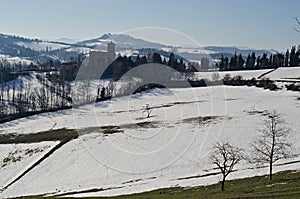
[(271, 61), (171, 62), (253, 58), (233, 62), (264, 61), (181, 66), (293, 61), (240, 62), (165, 62), (286, 59), (297, 59), (258, 64), (226, 63), (221, 64), (248, 62), (278, 60), (138, 60), (144, 60), (156, 58)]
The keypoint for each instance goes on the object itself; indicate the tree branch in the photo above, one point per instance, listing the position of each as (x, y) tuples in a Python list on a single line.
[(298, 22)]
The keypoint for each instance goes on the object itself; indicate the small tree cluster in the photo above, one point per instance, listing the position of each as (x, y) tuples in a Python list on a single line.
[(271, 145)]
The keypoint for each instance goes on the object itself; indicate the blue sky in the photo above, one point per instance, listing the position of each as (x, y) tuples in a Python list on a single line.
[(256, 23)]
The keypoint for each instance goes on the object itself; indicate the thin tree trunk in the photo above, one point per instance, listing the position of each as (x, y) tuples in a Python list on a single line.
[(223, 184), (271, 168), (272, 148)]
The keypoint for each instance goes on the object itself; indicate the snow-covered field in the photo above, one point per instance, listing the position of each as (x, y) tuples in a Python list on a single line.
[(16, 158), (280, 73), (285, 73), (246, 74), (42, 45), (120, 151)]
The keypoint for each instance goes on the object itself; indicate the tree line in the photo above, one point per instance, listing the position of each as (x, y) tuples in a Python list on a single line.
[(123, 64), (252, 62), (237, 62), (20, 97)]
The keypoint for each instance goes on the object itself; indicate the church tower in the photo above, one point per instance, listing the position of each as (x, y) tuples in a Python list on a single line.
[(111, 48), (111, 52)]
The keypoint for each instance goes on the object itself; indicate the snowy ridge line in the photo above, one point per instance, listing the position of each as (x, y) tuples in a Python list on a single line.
[(55, 148)]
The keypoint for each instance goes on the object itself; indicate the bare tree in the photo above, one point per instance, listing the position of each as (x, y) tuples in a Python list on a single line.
[(225, 156), (147, 110), (272, 144), (215, 76)]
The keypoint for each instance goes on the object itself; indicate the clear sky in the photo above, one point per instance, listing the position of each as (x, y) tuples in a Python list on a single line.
[(264, 24)]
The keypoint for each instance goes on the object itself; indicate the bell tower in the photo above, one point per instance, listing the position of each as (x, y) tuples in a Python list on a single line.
[(111, 51), (111, 48)]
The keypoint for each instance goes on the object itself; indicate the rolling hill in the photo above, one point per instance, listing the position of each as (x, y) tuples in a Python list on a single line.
[(19, 49), (119, 151)]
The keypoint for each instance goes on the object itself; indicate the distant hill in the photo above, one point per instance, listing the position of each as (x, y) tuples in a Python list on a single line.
[(66, 40), (15, 48)]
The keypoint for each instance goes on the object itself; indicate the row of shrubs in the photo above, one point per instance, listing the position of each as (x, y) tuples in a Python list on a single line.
[(261, 83), (293, 87), (239, 81)]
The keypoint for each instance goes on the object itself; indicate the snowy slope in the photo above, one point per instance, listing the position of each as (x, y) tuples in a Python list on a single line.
[(281, 73), (29, 83), (285, 73), (126, 152), (16, 158), (15, 60), (246, 74), (42, 45)]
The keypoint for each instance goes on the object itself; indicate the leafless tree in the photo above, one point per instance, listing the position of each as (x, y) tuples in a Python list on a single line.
[(273, 143), (215, 76), (147, 110), (225, 156)]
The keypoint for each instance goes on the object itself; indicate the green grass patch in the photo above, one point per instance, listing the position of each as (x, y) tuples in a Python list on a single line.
[(284, 185), (52, 135)]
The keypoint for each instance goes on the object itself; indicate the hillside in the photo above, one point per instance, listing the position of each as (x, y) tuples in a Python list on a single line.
[(119, 151), (286, 185), (33, 50), (18, 49)]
